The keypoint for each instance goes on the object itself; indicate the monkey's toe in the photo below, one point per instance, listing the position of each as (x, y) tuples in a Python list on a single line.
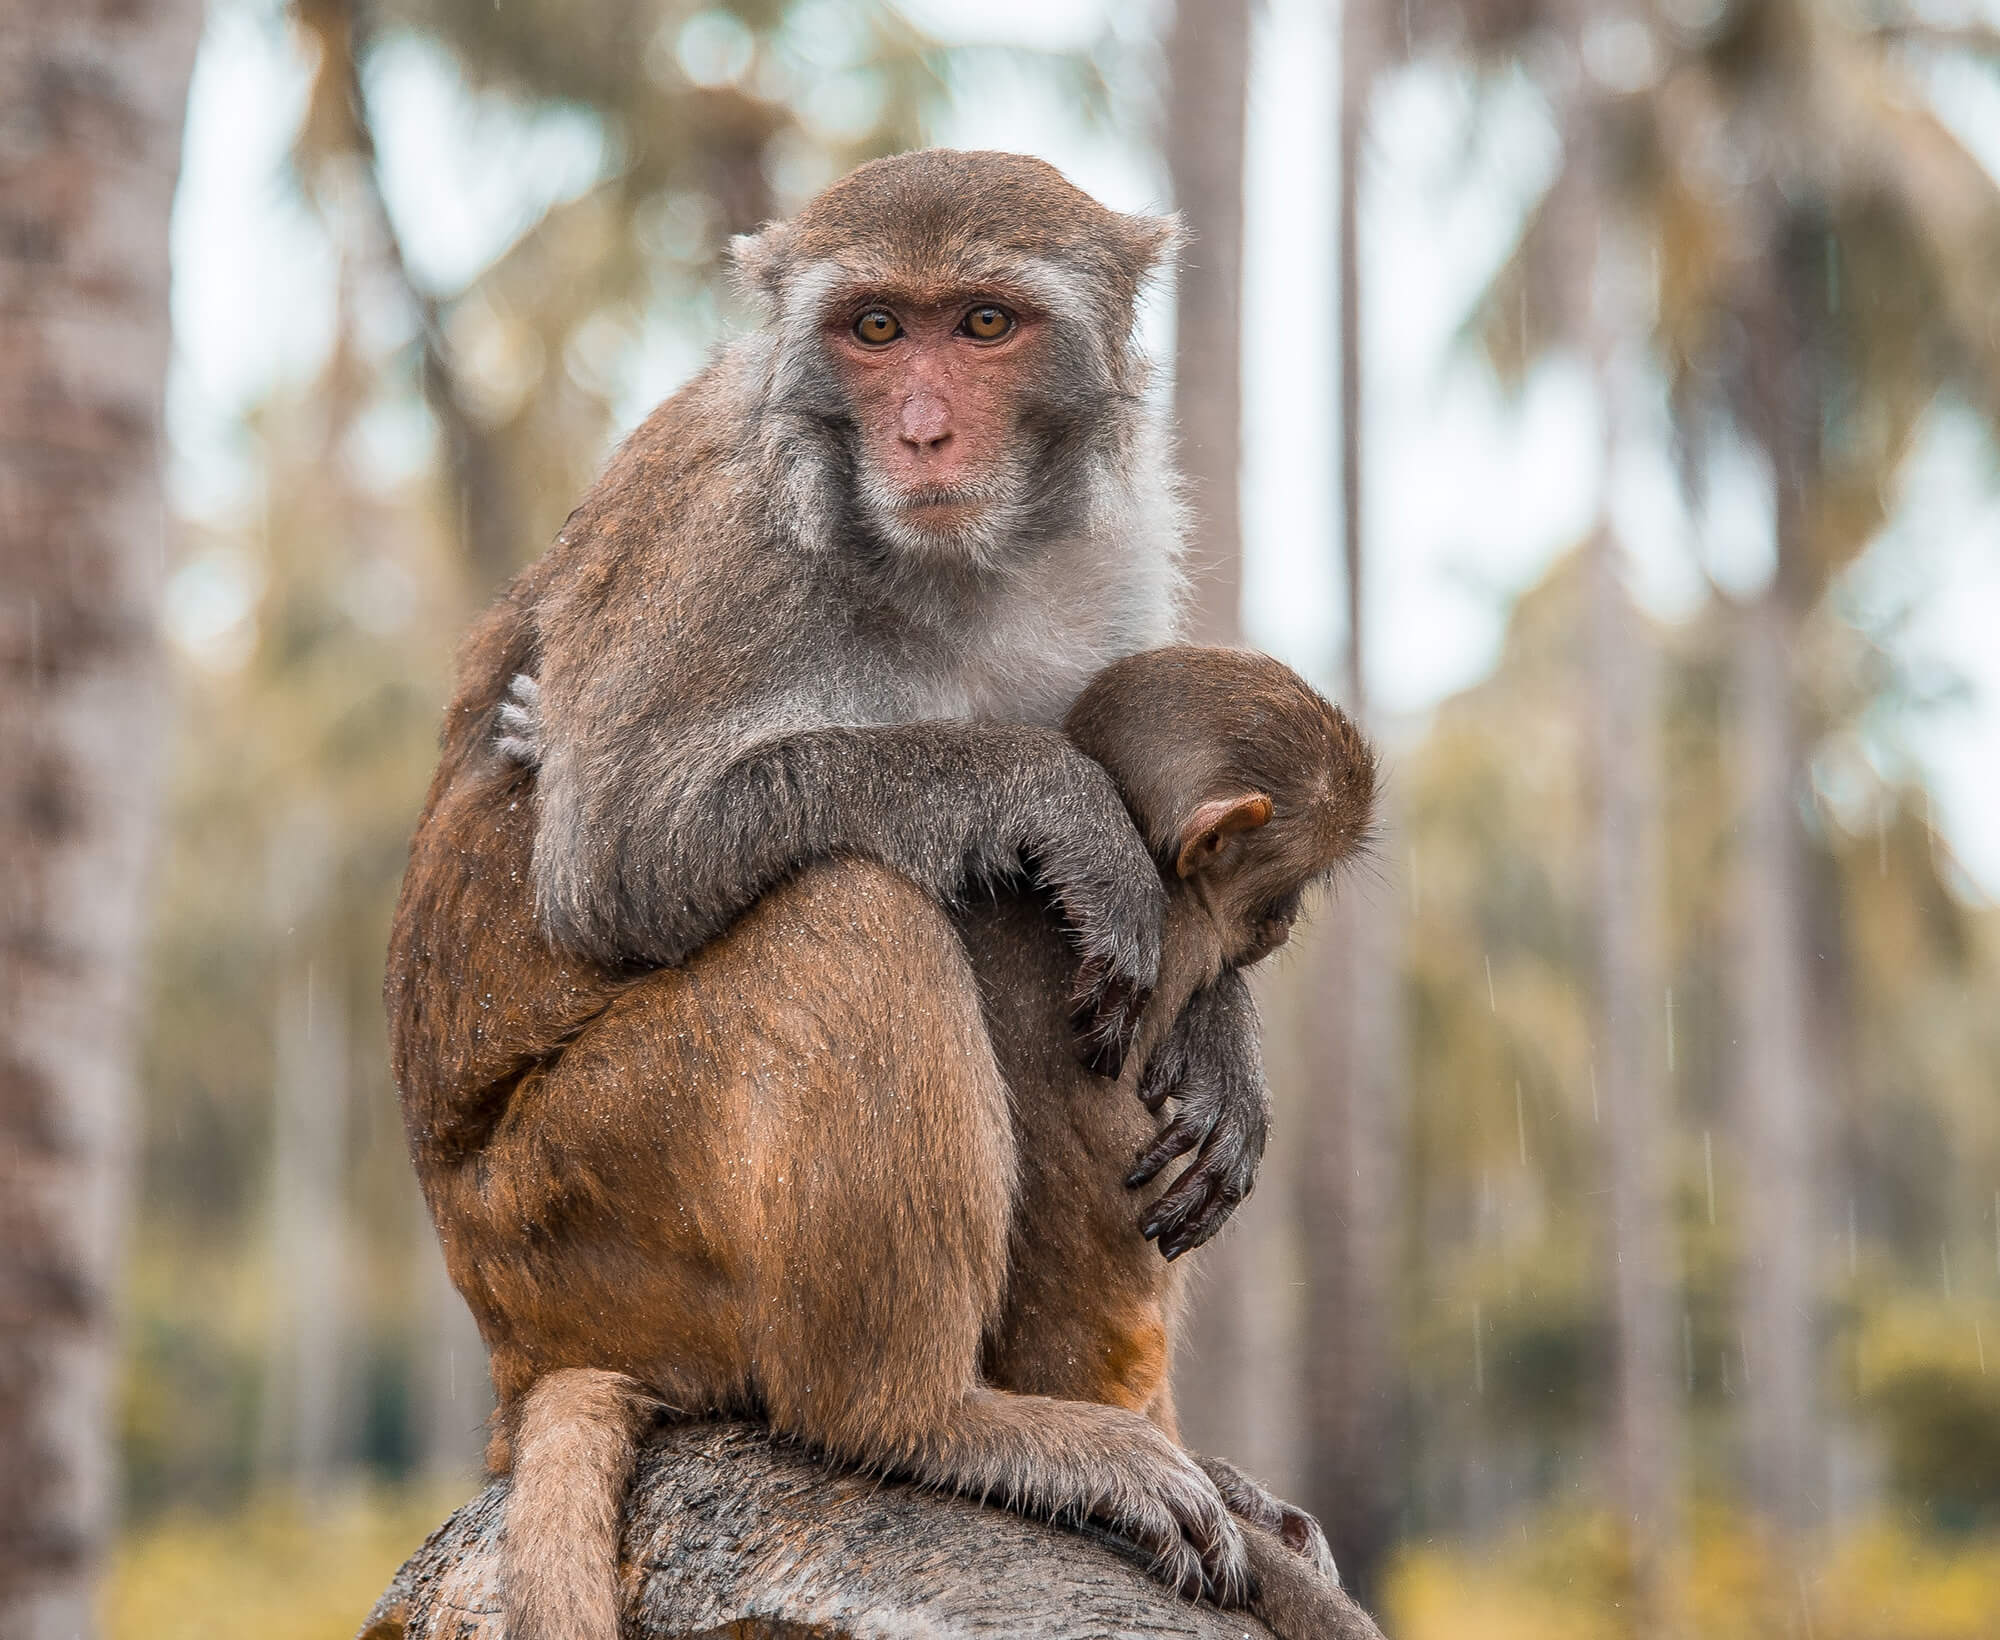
[(1250, 1500), (1302, 1534)]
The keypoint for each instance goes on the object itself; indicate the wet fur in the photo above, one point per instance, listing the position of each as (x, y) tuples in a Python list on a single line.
[(775, 745), (651, 1174)]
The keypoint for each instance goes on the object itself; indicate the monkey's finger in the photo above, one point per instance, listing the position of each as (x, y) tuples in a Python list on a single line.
[(1164, 1073), (1189, 1198), (1199, 1233), (1218, 1187), (1177, 1138)]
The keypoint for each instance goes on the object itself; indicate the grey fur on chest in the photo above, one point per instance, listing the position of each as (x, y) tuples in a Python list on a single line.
[(1034, 640)]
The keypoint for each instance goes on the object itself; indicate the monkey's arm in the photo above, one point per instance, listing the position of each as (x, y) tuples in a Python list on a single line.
[(630, 870), (1212, 1066)]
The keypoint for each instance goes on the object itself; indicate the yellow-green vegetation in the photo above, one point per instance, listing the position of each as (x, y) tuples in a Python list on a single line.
[(271, 1571), (1560, 1579)]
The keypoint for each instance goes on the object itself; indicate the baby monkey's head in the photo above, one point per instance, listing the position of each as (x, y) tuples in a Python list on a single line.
[(1246, 783)]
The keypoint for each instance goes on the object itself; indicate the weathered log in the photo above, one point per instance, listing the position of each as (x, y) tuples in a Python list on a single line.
[(731, 1535)]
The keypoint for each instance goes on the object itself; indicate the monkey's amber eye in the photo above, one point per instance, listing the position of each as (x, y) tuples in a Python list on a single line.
[(877, 327), (987, 324)]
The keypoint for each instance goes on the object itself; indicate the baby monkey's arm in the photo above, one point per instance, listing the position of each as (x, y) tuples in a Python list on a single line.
[(1212, 1066)]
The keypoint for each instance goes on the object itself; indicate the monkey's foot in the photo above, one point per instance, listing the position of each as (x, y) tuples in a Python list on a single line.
[(1179, 1517), (1248, 1500), (1075, 1461)]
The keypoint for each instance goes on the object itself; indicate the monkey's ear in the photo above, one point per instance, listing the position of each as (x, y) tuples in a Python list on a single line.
[(1214, 823), (1154, 242), (760, 260)]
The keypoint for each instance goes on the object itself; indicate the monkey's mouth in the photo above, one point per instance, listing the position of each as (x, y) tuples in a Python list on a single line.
[(935, 507), (962, 520)]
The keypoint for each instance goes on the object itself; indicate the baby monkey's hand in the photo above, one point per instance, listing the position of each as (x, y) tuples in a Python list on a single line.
[(1211, 1067)]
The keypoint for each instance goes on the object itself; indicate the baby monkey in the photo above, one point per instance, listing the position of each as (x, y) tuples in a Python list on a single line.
[(841, 1170), (1249, 788)]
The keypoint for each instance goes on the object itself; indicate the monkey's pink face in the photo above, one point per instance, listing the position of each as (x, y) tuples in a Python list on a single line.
[(937, 386)]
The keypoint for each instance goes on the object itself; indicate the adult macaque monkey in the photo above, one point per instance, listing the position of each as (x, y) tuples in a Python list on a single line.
[(827, 604), (692, 1252)]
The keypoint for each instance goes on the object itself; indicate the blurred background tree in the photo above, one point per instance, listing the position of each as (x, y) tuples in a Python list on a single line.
[(92, 99), (1627, 1258)]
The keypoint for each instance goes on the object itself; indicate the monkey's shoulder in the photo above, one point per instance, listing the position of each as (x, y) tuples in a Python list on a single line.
[(686, 467)]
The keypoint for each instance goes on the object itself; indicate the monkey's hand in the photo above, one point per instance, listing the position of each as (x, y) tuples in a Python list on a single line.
[(1212, 1067), (1105, 1010)]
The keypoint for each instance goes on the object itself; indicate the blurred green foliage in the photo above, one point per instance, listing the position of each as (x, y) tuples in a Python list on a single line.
[(1559, 1579), (267, 1571), (1507, 1219)]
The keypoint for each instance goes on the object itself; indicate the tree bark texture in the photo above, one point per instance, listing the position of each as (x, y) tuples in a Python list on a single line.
[(729, 1532), (92, 98)]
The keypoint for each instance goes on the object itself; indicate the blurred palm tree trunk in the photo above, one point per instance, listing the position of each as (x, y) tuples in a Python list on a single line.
[(1350, 1190), (339, 126), (92, 96), (1228, 1380), (1773, 988), (304, 1428), (1630, 1049), (1778, 1219), (1629, 1053), (1208, 58)]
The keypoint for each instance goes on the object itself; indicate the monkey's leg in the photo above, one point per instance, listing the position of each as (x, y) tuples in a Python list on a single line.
[(1090, 1307), (884, 1207), (1089, 1303)]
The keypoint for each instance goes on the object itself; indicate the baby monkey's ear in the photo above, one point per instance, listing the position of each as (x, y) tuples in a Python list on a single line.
[(1214, 823)]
